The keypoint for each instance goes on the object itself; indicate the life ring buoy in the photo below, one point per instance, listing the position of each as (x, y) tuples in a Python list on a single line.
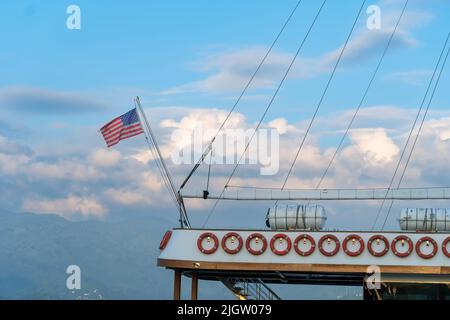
[(234, 237), (403, 239), (428, 240), (304, 237), (378, 238), (444, 247), (210, 237), (329, 237), (165, 240), (257, 237), (353, 237), (280, 236)]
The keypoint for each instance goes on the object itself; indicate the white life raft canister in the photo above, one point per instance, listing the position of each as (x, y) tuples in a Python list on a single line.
[(296, 217), (425, 219)]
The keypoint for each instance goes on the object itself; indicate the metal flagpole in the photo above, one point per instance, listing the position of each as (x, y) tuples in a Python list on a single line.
[(184, 221)]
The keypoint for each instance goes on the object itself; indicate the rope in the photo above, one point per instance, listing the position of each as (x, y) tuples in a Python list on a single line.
[(412, 130), (418, 132), (167, 179), (209, 147), (267, 108), (369, 85), (323, 96)]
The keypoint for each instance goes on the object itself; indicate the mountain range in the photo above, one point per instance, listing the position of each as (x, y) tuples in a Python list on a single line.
[(117, 260)]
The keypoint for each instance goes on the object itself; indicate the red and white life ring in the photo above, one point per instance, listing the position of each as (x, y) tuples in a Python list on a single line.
[(428, 240), (329, 237), (165, 240), (257, 237), (444, 247), (234, 237), (280, 237), (353, 238), (210, 237), (304, 237), (403, 239), (377, 238)]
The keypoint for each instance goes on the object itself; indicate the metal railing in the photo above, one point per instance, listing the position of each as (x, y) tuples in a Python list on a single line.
[(250, 289)]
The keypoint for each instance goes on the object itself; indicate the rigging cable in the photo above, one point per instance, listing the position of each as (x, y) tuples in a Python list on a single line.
[(268, 107), (369, 85), (418, 132), (167, 179), (209, 147), (158, 163), (411, 131), (322, 97)]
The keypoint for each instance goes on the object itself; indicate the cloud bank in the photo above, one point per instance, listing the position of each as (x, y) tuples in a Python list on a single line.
[(100, 181)]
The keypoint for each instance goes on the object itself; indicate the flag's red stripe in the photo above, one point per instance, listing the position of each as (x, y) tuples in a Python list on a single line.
[(113, 132), (124, 136), (123, 131), (112, 127), (111, 123), (110, 132), (113, 143), (131, 135), (130, 128), (116, 141)]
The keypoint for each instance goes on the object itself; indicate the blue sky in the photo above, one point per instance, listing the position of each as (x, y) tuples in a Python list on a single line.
[(59, 86), (152, 45)]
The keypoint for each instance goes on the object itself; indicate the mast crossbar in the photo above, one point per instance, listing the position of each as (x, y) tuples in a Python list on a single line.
[(324, 194)]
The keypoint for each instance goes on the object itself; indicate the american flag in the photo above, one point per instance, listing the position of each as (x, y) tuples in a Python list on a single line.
[(123, 127)]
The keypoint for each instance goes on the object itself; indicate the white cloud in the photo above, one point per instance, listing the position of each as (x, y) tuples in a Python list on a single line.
[(105, 158), (12, 156), (230, 70), (281, 125), (151, 182), (128, 197), (11, 163), (378, 149), (145, 190), (93, 185), (63, 169), (10, 147), (67, 207), (206, 118)]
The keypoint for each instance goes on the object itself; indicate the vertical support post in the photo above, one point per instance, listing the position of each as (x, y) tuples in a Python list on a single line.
[(194, 287), (177, 285)]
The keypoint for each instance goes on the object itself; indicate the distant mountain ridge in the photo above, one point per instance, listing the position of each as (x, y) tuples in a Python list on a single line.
[(117, 260)]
